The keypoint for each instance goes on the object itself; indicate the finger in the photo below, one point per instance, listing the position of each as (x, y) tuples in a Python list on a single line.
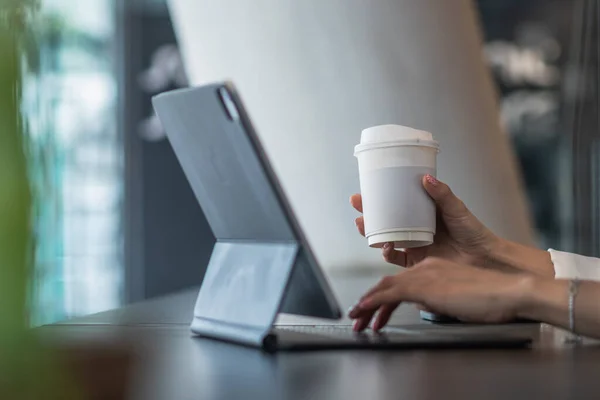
[(356, 311), (449, 204), (415, 255), (383, 316), (363, 322), (360, 225), (384, 283), (356, 201), (393, 256), (392, 295), (405, 286)]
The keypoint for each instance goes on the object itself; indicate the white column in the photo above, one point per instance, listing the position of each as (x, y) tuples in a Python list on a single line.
[(314, 73)]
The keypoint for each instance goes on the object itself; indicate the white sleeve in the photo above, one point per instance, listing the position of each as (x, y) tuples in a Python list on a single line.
[(568, 265)]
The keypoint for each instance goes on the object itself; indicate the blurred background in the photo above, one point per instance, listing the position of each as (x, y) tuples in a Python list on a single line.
[(121, 223)]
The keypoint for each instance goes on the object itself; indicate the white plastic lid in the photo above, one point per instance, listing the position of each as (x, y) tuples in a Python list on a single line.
[(394, 135)]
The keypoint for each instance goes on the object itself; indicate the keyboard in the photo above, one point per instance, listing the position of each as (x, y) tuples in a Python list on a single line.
[(299, 337), (346, 331)]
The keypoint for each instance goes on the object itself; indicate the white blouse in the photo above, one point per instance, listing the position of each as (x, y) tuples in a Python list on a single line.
[(568, 266)]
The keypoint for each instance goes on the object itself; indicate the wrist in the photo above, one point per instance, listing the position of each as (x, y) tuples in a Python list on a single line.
[(542, 299), (514, 256)]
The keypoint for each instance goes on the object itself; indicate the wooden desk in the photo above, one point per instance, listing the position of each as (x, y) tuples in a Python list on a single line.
[(173, 365)]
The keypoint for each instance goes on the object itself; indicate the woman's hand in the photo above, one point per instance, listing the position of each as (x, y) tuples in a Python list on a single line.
[(462, 238), (468, 293)]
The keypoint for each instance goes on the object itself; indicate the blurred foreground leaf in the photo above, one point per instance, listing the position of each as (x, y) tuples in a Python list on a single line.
[(27, 370), (15, 198)]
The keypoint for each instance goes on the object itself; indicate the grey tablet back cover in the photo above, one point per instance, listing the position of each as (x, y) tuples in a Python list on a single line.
[(260, 254)]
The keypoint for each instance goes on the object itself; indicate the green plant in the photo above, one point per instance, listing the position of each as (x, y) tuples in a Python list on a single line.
[(15, 195), (27, 370)]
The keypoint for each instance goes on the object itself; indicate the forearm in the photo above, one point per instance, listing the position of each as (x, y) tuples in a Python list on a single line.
[(547, 300), (515, 256)]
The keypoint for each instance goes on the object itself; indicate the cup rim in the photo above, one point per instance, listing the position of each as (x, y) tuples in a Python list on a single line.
[(361, 147)]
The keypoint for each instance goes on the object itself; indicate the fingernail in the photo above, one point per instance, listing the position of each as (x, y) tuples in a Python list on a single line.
[(355, 325), (431, 180), (387, 246)]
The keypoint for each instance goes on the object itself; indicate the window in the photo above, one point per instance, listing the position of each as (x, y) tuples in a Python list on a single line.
[(70, 99)]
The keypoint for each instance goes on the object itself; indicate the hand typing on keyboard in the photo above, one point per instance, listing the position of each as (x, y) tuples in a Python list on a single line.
[(471, 294)]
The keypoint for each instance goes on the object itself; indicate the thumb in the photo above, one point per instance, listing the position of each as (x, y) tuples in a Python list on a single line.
[(447, 202)]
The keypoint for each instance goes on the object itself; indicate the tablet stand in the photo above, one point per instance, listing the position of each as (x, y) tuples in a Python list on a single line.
[(242, 291)]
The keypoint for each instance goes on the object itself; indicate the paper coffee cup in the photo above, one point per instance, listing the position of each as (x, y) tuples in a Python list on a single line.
[(392, 161)]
